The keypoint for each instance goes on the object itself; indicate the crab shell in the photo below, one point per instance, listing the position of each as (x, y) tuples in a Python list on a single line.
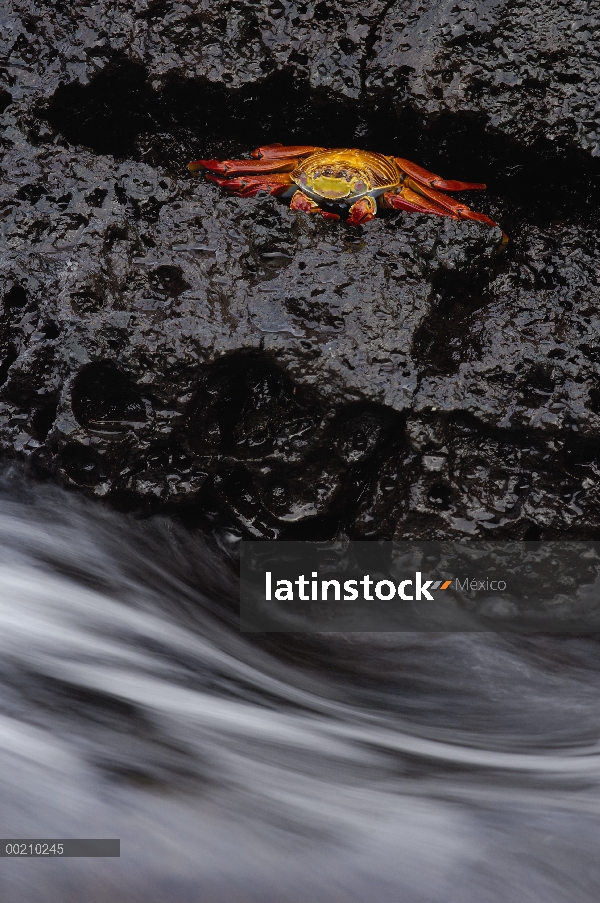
[(344, 176)]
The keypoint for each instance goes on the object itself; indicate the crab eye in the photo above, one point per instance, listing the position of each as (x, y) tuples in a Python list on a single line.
[(360, 186), (303, 179)]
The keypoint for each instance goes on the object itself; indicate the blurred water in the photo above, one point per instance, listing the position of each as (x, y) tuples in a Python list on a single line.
[(435, 769)]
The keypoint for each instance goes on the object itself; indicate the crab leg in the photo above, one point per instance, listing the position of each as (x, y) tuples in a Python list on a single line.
[(236, 167), (248, 186), (454, 207), (432, 181), (282, 151), (405, 199), (300, 201)]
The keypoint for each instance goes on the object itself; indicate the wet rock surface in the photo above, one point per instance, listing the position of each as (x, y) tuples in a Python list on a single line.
[(165, 347)]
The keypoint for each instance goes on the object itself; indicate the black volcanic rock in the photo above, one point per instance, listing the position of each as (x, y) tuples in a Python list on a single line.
[(165, 347)]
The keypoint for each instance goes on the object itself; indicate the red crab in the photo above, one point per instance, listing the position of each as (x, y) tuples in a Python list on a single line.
[(329, 182)]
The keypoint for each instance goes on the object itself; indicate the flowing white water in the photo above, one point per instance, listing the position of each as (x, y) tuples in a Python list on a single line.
[(423, 769)]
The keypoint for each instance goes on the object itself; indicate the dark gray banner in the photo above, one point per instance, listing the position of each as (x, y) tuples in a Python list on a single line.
[(57, 849), (547, 587)]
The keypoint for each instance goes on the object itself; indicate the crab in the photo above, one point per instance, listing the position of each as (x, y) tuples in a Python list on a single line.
[(331, 181)]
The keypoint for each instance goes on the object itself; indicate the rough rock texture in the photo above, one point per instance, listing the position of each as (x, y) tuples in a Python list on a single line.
[(165, 347), (530, 68)]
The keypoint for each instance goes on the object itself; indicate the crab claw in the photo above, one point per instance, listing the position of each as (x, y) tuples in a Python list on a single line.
[(301, 201), (362, 211)]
